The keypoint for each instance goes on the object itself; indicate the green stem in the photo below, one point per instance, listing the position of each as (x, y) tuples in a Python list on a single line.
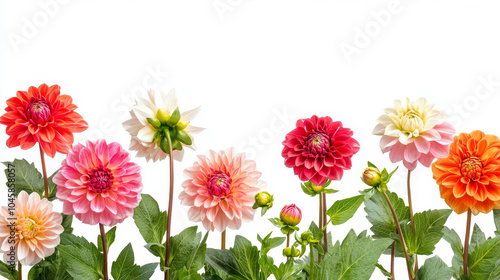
[(19, 271), (311, 263), (325, 233), (104, 251), (170, 200), (410, 204), (320, 195), (288, 242), (466, 242), (44, 170), (396, 220)]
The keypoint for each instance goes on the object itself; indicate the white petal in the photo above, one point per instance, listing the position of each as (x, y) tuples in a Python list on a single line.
[(385, 120), (171, 101), (190, 115), (142, 113), (379, 129), (146, 134), (193, 129), (392, 130)]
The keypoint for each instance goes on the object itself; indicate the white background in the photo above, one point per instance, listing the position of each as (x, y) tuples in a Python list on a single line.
[(256, 67)]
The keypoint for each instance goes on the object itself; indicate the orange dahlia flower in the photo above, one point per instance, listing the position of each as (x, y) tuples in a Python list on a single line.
[(470, 176), (42, 115)]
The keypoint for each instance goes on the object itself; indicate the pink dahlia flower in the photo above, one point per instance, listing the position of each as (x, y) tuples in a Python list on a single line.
[(319, 149), (37, 229), (414, 132), (99, 184), (220, 190)]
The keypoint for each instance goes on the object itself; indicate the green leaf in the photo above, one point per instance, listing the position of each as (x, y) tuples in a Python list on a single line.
[(496, 219), (246, 255), (50, 268), (110, 238), (372, 165), (428, 231), (269, 243), (434, 269), (182, 247), (150, 221), (287, 270), (484, 259), (342, 210), (27, 178), (6, 272), (66, 223), (225, 261), (477, 238), (197, 259), (329, 191), (355, 258), (458, 250), (125, 269), (82, 258), (307, 189), (380, 216), (384, 271)]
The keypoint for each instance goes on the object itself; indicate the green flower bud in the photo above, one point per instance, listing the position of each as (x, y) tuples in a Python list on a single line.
[(307, 236), (287, 252), (264, 199), (371, 177)]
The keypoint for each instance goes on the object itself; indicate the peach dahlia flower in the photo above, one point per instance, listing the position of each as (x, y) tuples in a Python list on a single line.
[(42, 115), (99, 184), (413, 131), (470, 176), (37, 229), (220, 190)]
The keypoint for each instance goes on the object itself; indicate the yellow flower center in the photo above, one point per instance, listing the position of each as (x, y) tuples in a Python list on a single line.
[(472, 168), (411, 123), (28, 228)]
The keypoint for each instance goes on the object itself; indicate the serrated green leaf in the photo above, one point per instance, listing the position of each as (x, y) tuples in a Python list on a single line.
[(269, 243), (434, 269), (50, 268), (484, 259), (477, 238), (110, 238), (6, 272), (458, 250), (496, 219), (124, 267), (27, 178), (380, 216), (224, 260), (182, 247), (428, 231), (83, 259), (150, 221), (66, 223), (342, 210), (197, 259), (355, 258), (245, 256)]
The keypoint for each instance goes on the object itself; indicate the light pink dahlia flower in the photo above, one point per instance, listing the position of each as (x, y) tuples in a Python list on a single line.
[(220, 190), (99, 184), (414, 132), (319, 149), (37, 229)]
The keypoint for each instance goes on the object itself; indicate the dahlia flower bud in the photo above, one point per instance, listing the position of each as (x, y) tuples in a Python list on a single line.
[(263, 199), (371, 176), (291, 252), (291, 215), (307, 236)]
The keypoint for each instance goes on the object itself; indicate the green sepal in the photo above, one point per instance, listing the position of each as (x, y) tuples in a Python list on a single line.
[(154, 122), (174, 118), (165, 145), (184, 137)]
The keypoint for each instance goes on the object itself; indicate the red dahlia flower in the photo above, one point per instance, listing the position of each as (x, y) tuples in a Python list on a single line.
[(319, 149), (42, 115)]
